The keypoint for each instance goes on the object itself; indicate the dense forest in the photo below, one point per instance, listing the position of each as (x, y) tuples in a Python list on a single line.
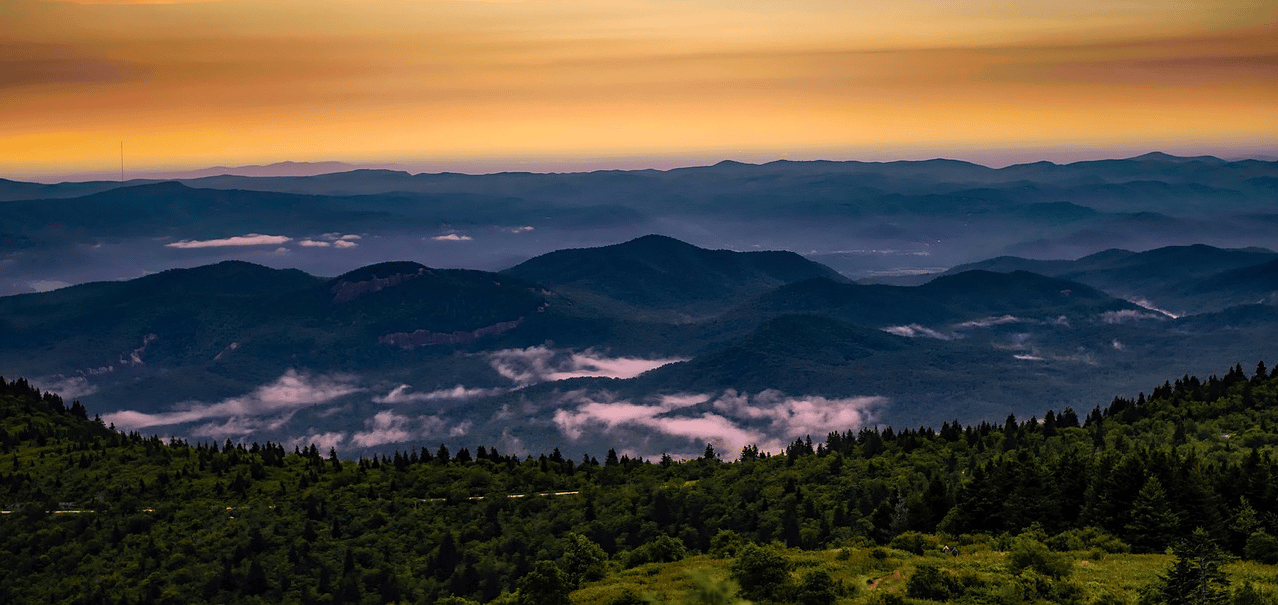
[(98, 516)]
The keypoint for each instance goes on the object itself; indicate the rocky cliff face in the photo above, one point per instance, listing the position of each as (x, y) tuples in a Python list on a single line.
[(346, 291), (421, 338)]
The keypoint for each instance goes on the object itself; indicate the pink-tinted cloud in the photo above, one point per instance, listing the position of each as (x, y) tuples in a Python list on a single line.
[(540, 364), (400, 394), (252, 239), (770, 420), (291, 391), (389, 426)]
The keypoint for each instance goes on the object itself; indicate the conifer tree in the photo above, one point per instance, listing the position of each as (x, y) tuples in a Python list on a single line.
[(1152, 523), (1196, 578)]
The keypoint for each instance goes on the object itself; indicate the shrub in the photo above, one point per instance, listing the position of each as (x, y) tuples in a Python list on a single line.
[(726, 543), (930, 582), (914, 542), (1029, 554), (583, 560), (1087, 538), (662, 550), (762, 572), (1262, 547), (1111, 597), (817, 589)]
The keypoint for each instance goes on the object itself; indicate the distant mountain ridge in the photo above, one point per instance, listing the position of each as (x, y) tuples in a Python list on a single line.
[(658, 273), (1182, 279), (651, 328)]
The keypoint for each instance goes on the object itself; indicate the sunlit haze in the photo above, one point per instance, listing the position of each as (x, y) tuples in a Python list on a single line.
[(569, 84)]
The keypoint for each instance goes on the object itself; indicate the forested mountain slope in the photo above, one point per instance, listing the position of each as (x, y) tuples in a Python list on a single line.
[(206, 522)]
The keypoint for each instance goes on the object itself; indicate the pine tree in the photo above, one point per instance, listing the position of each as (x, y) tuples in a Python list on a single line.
[(1196, 578), (1152, 523)]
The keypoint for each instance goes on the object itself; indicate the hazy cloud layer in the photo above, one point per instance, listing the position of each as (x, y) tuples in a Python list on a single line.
[(769, 420), (452, 237), (987, 322), (400, 394), (917, 331), (389, 426), (1128, 315), (252, 239), (70, 388), (1149, 305), (541, 364), (242, 415), (323, 441), (331, 240)]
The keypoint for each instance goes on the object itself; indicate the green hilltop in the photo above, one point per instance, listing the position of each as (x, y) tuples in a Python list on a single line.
[(1076, 507)]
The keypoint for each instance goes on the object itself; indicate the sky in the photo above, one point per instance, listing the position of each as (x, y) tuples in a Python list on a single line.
[(484, 85)]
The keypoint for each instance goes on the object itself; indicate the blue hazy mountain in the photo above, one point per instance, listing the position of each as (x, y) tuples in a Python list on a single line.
[(566, 337), (1179, 279), (656, 274), (863, 219)]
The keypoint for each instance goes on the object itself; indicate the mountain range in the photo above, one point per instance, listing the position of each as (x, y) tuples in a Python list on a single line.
[(664, 343), (866, 220)]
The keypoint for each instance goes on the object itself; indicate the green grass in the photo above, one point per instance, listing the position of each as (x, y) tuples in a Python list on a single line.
[(867, 578)]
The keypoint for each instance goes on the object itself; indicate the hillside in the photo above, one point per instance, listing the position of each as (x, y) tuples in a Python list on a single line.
[(662, 277), (863, 219), (1180, 279), (546, 354), (144, 520)]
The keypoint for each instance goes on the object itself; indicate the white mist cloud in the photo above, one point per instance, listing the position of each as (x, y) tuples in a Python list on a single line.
[(400, 394), (541, 364), (252, 239), (452, 237), (385, 427), (523, 229), (46, 285), (1149, 305), (917, 331), (70, 388), (331, 240), (1128, 315), (389, 426), (291, 391), (733, 423), (323, 441), (988, 322)]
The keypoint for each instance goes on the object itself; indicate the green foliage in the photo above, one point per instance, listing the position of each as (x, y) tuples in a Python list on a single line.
[(1030, 554), (1087, 538), (915, 542), (817, 588), (1262, 547), (1152, 524), (713, 590), (663, 549), (762, 572), (1196, 577), (1247, 594), (232, 523), (544, 585), (726, 543), (930, 582), (583, 560)]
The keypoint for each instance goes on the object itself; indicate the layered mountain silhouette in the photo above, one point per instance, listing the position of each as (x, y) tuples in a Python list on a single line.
[(1180, 279), (863, 219), (660, 276), (573, 337)]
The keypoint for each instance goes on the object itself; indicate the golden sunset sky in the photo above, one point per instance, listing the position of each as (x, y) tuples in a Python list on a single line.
[(189, 84)]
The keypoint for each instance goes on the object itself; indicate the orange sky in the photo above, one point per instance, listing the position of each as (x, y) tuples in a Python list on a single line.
[(201, 83)]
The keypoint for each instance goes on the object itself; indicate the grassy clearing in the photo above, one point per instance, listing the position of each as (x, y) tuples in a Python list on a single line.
[(873, 575)]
